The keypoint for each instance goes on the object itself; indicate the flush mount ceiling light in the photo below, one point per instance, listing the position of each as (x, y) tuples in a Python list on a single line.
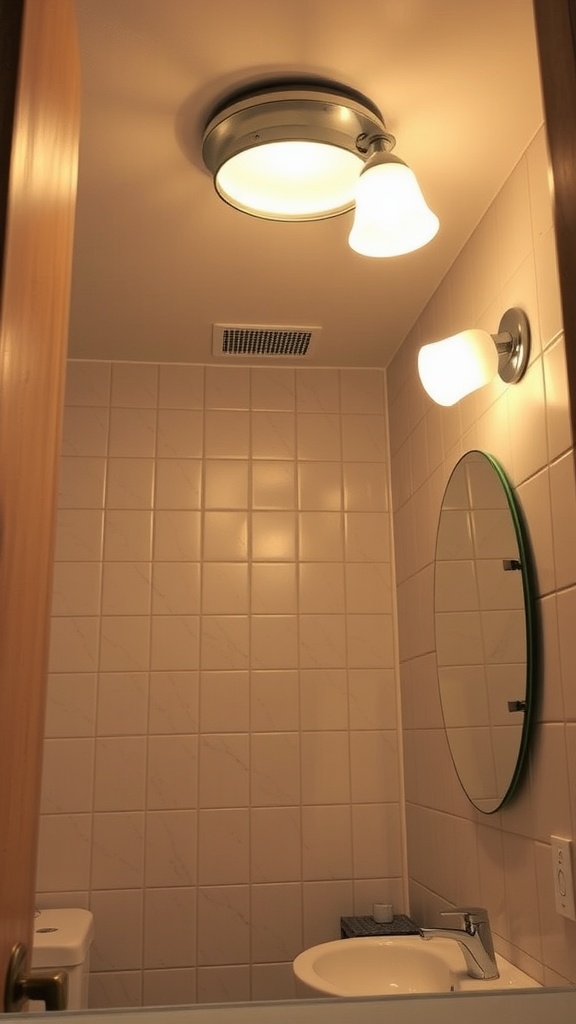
[(306, 152), (453, 368)]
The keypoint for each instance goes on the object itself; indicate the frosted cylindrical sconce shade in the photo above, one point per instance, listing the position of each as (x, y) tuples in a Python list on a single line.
[(456, 366), (392, 217)]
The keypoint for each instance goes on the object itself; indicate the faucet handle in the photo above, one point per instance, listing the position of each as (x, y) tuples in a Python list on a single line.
[(471, 916)]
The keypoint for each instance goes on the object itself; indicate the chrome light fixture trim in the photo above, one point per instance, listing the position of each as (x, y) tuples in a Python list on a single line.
[(342, 123)]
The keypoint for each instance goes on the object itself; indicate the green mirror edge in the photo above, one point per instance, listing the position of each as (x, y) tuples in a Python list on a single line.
[(532, 651)]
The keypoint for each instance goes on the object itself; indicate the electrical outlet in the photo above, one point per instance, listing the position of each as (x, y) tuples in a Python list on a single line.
[(563, 878)]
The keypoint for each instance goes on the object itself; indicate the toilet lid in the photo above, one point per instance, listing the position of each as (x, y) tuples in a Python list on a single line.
[(62, 938)]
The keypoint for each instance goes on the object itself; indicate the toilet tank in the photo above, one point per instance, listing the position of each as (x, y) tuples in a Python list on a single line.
[(61, 942)]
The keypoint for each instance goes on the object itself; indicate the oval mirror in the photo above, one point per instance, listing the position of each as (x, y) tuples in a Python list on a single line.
[(483, 610)]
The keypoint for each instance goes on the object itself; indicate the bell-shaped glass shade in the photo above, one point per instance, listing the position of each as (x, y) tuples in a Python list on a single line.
[(391, 217), (290, 180), (456, 366)]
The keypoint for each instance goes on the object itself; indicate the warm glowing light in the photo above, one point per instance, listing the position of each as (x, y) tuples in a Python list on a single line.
[(392, 217), (291, 180), (453, 368)]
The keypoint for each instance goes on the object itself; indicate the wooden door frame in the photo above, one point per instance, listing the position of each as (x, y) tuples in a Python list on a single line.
[(555, 22)]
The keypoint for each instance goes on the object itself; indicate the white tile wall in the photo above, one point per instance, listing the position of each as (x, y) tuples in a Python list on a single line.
[(221, 772), (457, 855)]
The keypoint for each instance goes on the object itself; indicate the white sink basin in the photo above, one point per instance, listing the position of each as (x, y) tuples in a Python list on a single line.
[(393, 965)]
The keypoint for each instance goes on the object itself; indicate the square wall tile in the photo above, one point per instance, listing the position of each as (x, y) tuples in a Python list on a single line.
[(225, 588), (276, 922), (172, 773), (224, 702), (180, 434), (84, 431), (274, 705), (71, 704), (225, 536), (365, 487), (362, 391), (224, 771), (325, 768), (323, 699), (272, 388), (275, 837), (321, 536), (225, 483), (87, 383), (273, 435), (178, 483), (227, 435), (130, 483), (118, 856), (76, 588), (134, 385), (180, 387), (169, 987), (120, 774), (321, 587), (224, 642), (227, 387), (317, 390), (326, 843), (170, 851), (73, 644), (363, 439), (223, 925), (67, 776), (177, 536), (174, 642), (128, 536), (175, 588), (320, 486), (319, 437), (275, 769), (124, 643), (273, 485), (273, 588), (79, 535), (117, 930), (377, 840), (223, 984), (170, 928), (132, 433), (274, 641), (81, 482), (273, 536), (223, 847), (367, 749), (122, 704), (64, 852), (173, 702), (322, 641), (126, 588)]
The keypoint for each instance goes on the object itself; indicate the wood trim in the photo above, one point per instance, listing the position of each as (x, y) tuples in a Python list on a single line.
[(10, 32), (37, 259), (555, 22)]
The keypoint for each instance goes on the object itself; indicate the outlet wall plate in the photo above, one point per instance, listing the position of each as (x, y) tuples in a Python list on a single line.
[(563, 876)]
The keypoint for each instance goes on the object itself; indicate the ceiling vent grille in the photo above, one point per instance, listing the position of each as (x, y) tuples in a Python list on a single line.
[(244, 340)]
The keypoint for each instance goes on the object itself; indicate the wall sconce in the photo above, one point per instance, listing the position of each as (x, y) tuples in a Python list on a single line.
[(303, 152), (453, 368)]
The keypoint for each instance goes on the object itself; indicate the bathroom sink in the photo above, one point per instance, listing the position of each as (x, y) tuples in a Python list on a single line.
[(393, 965)]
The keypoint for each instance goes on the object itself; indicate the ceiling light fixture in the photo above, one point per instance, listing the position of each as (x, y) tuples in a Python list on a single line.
[(453, 368), (303, 152)]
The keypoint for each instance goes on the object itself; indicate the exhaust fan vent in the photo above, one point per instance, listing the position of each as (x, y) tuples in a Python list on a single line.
[(243, 340)]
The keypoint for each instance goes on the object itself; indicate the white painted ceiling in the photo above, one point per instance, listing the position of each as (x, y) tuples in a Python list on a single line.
[(159, 258)]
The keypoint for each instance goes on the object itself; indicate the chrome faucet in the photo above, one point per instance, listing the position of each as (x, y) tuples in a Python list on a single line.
[(474, 939)]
